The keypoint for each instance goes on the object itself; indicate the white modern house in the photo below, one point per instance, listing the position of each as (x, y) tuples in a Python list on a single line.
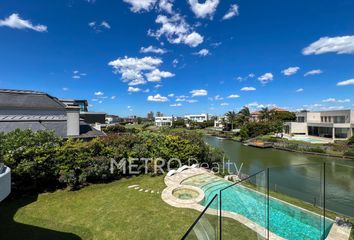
[(219, 123), (165, 121), (5, 181), (336, 124), (197, 117)]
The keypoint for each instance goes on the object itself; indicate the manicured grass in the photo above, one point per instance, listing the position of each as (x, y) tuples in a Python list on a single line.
[(102, 211)]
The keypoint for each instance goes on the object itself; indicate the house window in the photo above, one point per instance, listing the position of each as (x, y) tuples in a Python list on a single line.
[(339, 119), (341, 132), (300, 119), (321, 119)]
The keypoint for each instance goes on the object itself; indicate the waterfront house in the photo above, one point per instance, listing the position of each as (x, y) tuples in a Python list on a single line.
[(166, 121), (197, 117), (335, 124), (23, 109)]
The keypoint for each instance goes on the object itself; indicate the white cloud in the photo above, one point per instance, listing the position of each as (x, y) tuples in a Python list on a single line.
[(152, 49), (313, 72), (224, 104), (65, 89), (140, 5), (176, 105), (176, 30), (299, 90), (233, 96), (76, 77), (265, 78), (191, 101), (157, 86), (233, 11), (133, 89), (290, 71), (171, 95), (113, 97), (339, 45), (251, 75), (138, 71), (256, 105), (105, 25), (175, 62), (346, 82), (100, 101), (157, 98), (166, 5), (203, 10), (14, 21), (215, 44), (248, 89), (218, 98), (202, 53), (333, 100), (199, 92), (156, 75), (99, 93), (98, 27), (146, 90)]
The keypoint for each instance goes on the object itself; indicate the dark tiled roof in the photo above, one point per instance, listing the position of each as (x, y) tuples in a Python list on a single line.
[(25, 99), (32, 117)]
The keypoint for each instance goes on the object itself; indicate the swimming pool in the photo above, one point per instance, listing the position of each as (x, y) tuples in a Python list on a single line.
[(310, 139), (286, 220)]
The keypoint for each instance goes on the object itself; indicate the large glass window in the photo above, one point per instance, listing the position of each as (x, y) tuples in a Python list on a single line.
[(339, 119), (300, 119), (320, 131), (341, 132)]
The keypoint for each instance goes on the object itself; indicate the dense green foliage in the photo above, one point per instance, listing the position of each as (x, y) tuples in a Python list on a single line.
[(351, 140), (41, 161), (118, 128), (254, 129)]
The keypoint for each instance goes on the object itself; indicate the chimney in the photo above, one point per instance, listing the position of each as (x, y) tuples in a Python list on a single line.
[(72, 121)]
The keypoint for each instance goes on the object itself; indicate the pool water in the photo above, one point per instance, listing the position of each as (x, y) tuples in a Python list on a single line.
[(286, 221), (309, 139)]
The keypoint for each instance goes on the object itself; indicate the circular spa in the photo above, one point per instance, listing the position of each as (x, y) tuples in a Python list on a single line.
[(187, 194)]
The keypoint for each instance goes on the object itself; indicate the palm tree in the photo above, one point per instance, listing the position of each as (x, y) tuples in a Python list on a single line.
[(243, 116), (265, 114), (231, 117)]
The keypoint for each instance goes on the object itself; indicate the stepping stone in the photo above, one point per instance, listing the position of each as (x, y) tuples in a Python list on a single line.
[(158, 192), (152, 191), (133, 186), (136, 187), (146, 190), (141, 190)]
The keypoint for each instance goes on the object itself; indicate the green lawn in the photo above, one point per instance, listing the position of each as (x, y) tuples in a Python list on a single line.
[(102, 211)]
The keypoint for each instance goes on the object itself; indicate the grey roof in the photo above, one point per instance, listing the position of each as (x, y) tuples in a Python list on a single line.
[(32, 117), (25, 99), (59, 127)]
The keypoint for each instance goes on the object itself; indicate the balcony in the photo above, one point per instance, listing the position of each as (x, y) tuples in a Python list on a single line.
[(5, 182)]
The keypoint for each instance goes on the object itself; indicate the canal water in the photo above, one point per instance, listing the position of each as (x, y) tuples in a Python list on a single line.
[(295, 174)]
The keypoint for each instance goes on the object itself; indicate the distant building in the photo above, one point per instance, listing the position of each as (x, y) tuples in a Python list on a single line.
[(197, 117), (22, 109), (159, 114), (164, 121), (88, 117), (256, 116), (150, 116), (336, 124), (112, 119), (219, 123), (82, 104)]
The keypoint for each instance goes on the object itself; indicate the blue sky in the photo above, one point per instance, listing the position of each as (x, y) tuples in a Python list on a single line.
[(178, 57)]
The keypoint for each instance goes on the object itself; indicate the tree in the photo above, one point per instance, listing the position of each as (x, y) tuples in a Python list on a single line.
[(265, 114), (231, 117), (243, 116)]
